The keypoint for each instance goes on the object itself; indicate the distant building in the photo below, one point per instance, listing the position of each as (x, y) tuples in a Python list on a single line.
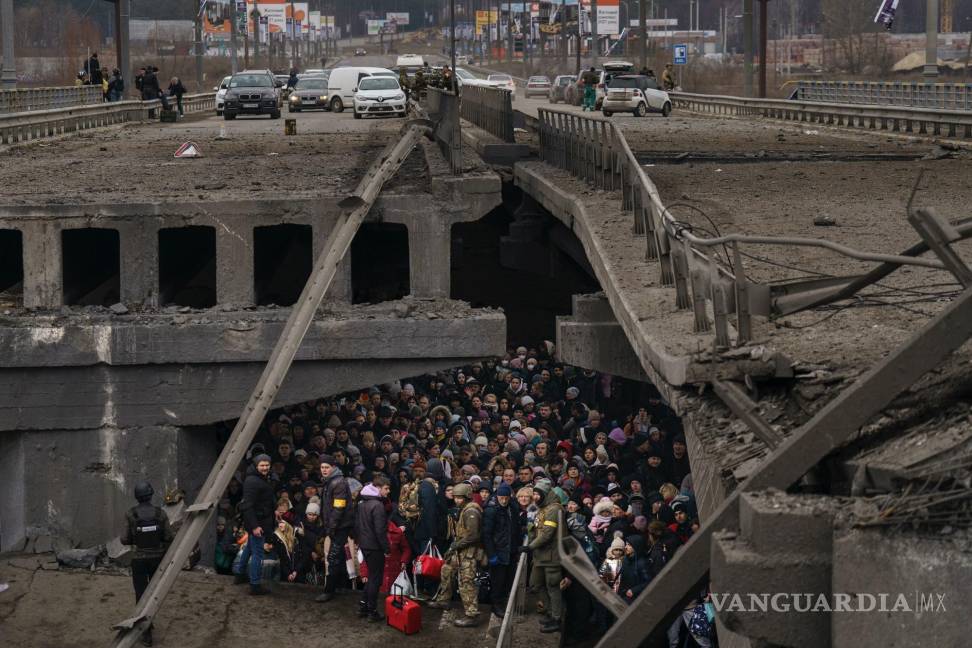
[(163, 31)]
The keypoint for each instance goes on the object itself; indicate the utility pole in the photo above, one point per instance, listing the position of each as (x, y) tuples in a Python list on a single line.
[(198, 46), (578, 48), (452, 45), (294, 51), (594, 44), (234, 62), (762, 48), (563, 29), (255, 15), (499, 32), (509, 32), (748, 47), (8, 75), (643, 31), (931, 39), (123, 13)]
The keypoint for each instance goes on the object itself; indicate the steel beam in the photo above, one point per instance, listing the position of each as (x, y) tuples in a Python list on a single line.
[(744, 407), (938, 234), (357, 207), (829, 429)]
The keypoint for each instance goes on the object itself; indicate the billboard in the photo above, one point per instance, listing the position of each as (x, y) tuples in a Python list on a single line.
[(278, 11), (608, 17), (484, 18), (217, 15), (375, 27), (400, 18)]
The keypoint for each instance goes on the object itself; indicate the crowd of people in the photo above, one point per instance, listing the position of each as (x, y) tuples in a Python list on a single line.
[(477, 465), (147, 84)]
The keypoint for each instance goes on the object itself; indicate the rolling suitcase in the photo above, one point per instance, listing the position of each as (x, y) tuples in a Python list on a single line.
[(403, 613)]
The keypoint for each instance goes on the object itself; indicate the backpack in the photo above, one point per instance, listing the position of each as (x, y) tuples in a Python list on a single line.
[(408, 502), (700, 626)]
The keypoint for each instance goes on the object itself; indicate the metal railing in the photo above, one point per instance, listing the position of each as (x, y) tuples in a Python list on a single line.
[(937, 96), (443, 110), (489, 108), (900, 119), (595, 150), (26, 99), (40, 124), (515, 604)]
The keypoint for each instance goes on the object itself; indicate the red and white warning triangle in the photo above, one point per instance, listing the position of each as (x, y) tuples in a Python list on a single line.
[(189, 150)]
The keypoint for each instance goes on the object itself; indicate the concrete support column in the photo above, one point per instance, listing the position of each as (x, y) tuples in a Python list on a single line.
[(931, 39), (340, 290), (139, 265), (234, 266), (43, 283), (430, 256), (8, 74)]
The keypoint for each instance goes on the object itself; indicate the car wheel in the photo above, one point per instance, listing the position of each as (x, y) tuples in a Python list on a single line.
[(641, 110), (357, 115), (608, 113), (337, 105), (667, 109)]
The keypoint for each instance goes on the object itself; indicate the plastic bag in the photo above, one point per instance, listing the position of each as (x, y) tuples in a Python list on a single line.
[(403, 585)]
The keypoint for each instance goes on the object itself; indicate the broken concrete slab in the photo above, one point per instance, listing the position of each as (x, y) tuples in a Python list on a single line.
[(118, 553), (80, 558)]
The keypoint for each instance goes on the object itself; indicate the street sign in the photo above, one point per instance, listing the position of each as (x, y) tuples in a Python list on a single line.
[(681, 54)]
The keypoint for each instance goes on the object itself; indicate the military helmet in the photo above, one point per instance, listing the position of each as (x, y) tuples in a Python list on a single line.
[(144, 491), (543, 485), (462, 490)]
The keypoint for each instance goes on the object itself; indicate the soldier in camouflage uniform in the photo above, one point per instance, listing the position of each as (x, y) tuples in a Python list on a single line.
[(419, 85), (463, 558), (543, 539)]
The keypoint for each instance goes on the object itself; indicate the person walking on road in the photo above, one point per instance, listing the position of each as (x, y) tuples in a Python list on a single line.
[(177, 90), (590, 92), (147, 527), (462, 559), (546, 573), (668, 77), (257, 506), (371, 536)]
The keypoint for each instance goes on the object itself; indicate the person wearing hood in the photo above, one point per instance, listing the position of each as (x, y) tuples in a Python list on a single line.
[(338, 519), (371, 536), (501, 534), (634, 569), (257, 506), (546, 573), (401, 552)]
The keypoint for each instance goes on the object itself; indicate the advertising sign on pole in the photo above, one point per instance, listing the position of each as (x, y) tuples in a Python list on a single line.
[(399, 17), (608, 17), (375, 27)]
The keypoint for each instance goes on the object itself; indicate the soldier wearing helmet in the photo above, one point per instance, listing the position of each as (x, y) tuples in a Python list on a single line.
[(464, 556), (147, 528)]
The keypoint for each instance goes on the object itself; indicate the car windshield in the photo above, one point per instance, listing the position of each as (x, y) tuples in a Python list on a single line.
[(312, 84), (498, 77), (378, 83), (567, 80), (624, 82), (251, 81)]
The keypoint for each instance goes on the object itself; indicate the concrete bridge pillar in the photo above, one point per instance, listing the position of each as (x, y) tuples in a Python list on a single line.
[(139, 261), (234, 262), (43, 286)]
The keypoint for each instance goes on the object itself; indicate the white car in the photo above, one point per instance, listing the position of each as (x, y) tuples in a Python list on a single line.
[(504, 81), (379, 95), (635, 94), (221, 94)]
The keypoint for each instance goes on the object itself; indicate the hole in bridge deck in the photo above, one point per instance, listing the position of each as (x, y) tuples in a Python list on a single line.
[(282, 262), (91, 266), (11, 268), (380, 263), (187, 266)]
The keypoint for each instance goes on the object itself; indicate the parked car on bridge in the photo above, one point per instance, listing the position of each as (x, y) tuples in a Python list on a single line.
[(360, 51), (342, 84), (221, 94), (379, 95), (253, 92), (504, 81), (635, 94), (559, 86), (537, 85), (310, 94), (575, 93)]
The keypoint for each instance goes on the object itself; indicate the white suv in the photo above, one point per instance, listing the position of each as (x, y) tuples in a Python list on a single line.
[(635, 94)]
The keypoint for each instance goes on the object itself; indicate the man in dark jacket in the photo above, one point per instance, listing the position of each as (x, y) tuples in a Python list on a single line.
[(257, 507), (371, 535), (147, 527), (338, 514), (501, 534), (430, 525)]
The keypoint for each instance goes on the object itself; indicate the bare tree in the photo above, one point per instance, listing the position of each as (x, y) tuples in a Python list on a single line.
[(856, 38)]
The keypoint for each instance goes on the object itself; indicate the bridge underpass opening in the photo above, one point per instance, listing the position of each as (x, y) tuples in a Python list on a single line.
[(91, 264), (187, 266), (282, 262), (11, 267), (532, 294), (380, 263)]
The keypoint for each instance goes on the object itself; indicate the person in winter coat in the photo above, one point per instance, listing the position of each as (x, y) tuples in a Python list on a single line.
[(371, 536), (634, 569), (430, 525), (310, 532), (400, 554), (177, 90), (338, 519), (257, 507), (283, 543), (501, 535)]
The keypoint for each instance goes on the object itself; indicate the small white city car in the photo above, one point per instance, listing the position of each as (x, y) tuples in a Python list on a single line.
[(379, 95), (635, 94)]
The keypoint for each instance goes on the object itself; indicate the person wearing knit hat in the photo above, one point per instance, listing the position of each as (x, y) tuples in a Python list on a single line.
[(313, 508), (617, 545), (603, 507), (617, 435)]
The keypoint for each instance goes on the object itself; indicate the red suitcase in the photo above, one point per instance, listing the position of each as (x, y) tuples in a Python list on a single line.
[(403, 613)]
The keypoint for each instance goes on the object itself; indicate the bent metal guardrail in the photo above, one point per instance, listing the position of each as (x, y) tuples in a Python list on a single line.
[(595, 150), (40, 124), (937, 96), (489, 108), (900, 119), (24, 99)]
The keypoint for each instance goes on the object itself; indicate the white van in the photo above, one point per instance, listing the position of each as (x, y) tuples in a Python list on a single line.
[(410, 62), (343, 83)]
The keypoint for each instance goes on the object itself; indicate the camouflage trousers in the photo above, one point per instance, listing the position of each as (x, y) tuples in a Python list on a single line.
[(465, 568)]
